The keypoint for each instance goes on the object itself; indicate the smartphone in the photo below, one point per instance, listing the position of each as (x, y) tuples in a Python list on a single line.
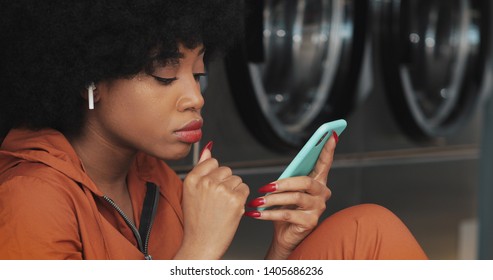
[(305, 160)]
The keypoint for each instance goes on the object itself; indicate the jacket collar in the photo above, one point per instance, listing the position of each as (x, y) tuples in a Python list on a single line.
[(46, 146), (52, 148)]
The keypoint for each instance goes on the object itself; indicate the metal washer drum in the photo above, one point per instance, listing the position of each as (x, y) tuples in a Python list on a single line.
[(297, 67), (435, 59)]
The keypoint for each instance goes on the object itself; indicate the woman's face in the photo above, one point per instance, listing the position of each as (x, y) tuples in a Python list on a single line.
[(158, 114)]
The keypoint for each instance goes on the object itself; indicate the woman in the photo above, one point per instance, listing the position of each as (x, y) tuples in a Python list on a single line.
[(98, 94)]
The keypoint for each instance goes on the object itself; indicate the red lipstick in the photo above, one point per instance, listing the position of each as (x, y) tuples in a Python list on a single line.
[(190, 132)]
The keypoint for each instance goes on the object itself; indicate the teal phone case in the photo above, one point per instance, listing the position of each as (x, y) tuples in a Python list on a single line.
[(305, 160)]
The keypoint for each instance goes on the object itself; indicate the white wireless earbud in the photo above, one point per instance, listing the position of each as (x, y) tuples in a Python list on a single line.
[(90, 95)]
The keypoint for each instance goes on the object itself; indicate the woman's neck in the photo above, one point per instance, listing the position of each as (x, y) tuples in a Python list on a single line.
[(106, 163)]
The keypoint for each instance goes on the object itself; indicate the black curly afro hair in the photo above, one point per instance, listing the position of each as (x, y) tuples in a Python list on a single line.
[(52, 49)]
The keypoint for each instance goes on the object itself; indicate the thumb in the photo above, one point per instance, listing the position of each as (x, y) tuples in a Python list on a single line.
[(325, 159), (206, 152)]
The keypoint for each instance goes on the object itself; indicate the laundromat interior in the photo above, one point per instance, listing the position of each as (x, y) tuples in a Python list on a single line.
[(413, 80)]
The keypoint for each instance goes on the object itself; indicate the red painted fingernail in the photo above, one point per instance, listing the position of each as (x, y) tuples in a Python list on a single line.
[(271, 187), (208, 147), (253, 214), (256, 202), (336, 137)]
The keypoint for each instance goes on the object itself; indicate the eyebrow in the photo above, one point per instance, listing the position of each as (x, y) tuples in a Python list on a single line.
[(173, 62)]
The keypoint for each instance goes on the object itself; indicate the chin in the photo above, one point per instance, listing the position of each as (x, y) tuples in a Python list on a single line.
[(176, 157), (177, 153)]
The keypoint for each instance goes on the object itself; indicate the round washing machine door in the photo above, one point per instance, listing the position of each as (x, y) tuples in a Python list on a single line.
[(297, 67), (434, 56)]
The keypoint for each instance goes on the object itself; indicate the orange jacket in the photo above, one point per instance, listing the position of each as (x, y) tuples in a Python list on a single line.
[(50, 208)]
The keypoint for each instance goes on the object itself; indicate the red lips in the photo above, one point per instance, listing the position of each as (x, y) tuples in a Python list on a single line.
[(190, 132)]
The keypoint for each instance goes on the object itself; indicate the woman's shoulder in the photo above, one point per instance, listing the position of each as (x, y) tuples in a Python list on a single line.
[(33, 177), (38, 191)]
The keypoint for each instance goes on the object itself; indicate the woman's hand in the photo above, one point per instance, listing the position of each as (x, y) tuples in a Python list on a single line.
[(213, 204), (298, 204)]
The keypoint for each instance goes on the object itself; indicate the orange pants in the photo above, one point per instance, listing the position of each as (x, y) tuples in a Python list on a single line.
[(365, 231)]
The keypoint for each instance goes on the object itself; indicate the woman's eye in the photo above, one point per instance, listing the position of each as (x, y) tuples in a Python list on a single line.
[(165, 81), (197, 76), (169, 81)]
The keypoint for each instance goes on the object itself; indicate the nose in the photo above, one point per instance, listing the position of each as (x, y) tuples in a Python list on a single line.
[(191, 98)]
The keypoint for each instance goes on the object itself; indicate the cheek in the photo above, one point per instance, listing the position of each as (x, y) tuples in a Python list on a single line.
[(144, 117), (137, 111), (146, 114), (144, 101)]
